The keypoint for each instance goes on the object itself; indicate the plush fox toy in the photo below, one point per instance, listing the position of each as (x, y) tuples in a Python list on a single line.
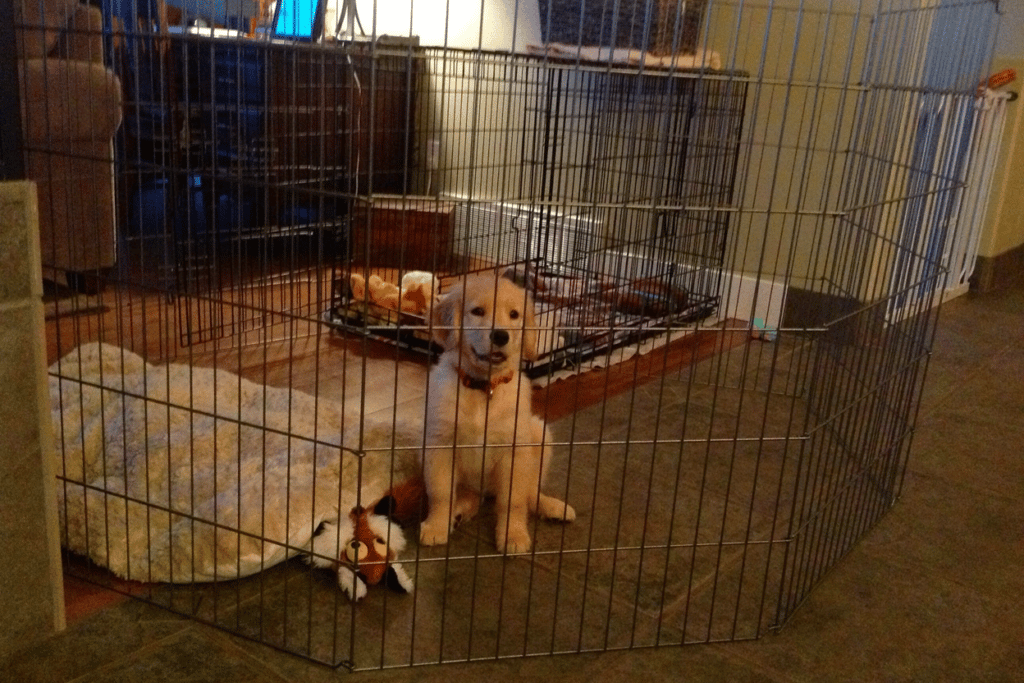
[(368, 554)]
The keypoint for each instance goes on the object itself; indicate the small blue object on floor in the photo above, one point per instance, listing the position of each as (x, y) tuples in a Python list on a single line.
[(762, 331)]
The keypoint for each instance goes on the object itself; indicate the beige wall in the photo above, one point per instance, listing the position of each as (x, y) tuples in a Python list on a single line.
[(479, 118), (803, 69), (1004, 220), (800, 117)]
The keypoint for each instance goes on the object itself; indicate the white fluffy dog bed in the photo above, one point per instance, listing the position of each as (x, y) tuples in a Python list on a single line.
[(179, 474)]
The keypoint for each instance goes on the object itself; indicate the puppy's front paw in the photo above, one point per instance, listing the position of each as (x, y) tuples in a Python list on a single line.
[(517, 540), (433, 533), (552, 508), (466, 507), (569, 514)]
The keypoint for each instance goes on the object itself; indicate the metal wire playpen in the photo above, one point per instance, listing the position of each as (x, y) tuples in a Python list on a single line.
[(734, 218)]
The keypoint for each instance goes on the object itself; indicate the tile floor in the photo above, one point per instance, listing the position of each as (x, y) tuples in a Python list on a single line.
[(931, 594)]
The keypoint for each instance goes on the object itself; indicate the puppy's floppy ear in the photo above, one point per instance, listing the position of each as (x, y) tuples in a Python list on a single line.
[(529, 350), (385, 507), (446, 318)]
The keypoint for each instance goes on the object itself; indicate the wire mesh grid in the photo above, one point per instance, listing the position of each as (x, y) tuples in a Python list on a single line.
[(580, 199), (735, 255)]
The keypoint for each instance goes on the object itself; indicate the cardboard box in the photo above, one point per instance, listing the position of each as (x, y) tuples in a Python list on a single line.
[(408, 233)]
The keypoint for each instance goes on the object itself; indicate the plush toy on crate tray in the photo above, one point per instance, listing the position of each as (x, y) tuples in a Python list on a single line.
[(416, 294)]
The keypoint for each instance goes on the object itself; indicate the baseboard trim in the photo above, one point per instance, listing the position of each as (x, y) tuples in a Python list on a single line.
[(998, 272)]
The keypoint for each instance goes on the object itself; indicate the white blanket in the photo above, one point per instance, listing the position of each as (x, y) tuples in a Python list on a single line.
[(179, 474)]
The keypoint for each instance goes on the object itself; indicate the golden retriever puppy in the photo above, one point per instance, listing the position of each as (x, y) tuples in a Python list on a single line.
[(482, 437)]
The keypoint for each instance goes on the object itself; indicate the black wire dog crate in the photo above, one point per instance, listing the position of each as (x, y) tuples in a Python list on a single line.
[(239, 161), (735, 244), (610, 186)]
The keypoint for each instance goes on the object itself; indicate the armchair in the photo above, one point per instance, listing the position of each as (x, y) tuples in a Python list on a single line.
[(71, 109)]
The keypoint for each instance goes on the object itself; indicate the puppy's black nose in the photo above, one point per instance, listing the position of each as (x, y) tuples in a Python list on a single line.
[(499, 337)]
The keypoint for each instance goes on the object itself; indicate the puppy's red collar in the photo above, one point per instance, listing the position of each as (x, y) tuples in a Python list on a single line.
[(486, 385)]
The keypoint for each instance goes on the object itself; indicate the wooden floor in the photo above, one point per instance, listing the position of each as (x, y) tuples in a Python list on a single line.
[(243, 333), (246, 332), (566, 396)]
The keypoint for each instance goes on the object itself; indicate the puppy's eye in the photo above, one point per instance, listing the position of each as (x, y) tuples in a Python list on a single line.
[(513, 314), (478, 311)]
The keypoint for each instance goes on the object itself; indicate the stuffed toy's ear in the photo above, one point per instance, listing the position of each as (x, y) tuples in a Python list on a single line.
[(405, 503), (414, 300), (446, 318), (383, 293), (385, 506), (357, 283), (419, 292), (421, 279), (397, 580)]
